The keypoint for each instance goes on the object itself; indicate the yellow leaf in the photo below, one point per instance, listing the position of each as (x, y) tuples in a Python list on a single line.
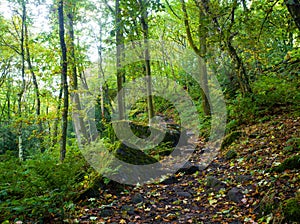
[(122, 221)]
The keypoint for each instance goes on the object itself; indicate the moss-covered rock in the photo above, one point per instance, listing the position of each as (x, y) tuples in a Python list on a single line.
[(230, 138), (288, 164), (139, 135), (291, 209), (133, 156), (172, 132), (231, 154), (214, 184)]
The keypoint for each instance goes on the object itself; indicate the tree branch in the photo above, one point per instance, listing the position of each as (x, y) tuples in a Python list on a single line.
[(109, 7), (174, 13)]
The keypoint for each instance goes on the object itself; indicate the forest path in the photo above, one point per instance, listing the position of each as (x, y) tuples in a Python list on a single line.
[(229, 190)]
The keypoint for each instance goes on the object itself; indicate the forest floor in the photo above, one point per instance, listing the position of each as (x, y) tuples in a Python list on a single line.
[(230, 190)]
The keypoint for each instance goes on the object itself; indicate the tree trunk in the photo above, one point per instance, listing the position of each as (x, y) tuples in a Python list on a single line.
[(243, 79), (56, 122), (242, 76), (22, 90), (101, 72), (145, 29), (36, 88), (294, 9), (78, 121), (120, 72), (203, 34), (201, 53), (64, 81)]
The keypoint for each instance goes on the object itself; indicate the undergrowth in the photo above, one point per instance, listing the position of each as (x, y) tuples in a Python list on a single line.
[(39, 188)]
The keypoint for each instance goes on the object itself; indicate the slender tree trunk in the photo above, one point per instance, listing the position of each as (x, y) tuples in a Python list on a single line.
[(22, 90), (120, 72), (201, 52), (203, 34), (56, 122), (144, 23), (64, 81), (242, 77), (78, 121), (36, 88), (8, 101), (101, 74)]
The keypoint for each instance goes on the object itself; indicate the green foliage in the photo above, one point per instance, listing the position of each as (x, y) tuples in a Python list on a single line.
[(271, 94), (267, 204), (273, 91), (38, 187), (8, 138), (205, 126), (230, 154), (291, 209), (230, 138), (293, 144), (290, 163)]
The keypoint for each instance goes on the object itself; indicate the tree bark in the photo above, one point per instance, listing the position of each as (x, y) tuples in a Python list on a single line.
[(22, 90), (294, 9), (78, 121), (56, 121), (145, 29), (243, 80), (203, 34), (120, 72), (64, 81), (36, 88), (201, 52), (242, 76)]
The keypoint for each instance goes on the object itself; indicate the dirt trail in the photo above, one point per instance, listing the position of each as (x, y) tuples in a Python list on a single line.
[(235, 190)]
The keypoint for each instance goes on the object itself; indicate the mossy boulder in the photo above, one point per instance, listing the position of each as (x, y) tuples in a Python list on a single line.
[(214, 184), (172, 133), (131, 150), (231, 154), (291, 209), (288, 164), (133, 156), (230, 138)]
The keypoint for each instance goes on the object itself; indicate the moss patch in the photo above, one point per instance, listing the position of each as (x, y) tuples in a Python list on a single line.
[(290, 163), (230, 138), (291, 209), (230, 154)]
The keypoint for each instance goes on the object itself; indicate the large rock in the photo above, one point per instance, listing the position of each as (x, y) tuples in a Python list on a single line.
[(173, 135), (133, 156), (235, 195), (214, 183), (137, 198), (188, 168), (288, 164), (166, 137), (170, 180), (231, 154)]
